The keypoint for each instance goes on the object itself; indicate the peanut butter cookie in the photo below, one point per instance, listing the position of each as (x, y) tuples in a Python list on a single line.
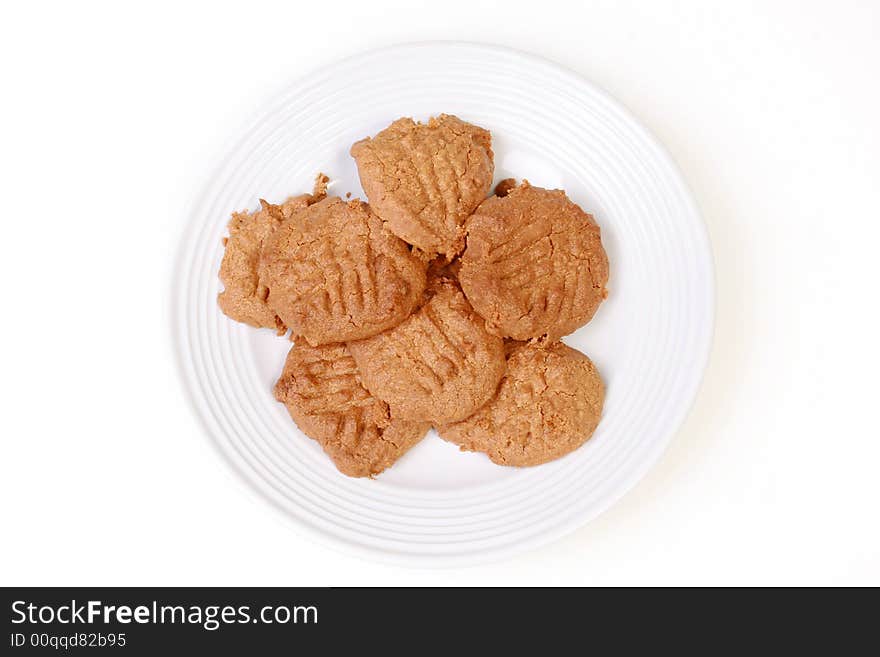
[(334, 273), (439, 365), (322, 392), (548, 404), (534, 265), (425, 180), (321, 380), (244, 297)]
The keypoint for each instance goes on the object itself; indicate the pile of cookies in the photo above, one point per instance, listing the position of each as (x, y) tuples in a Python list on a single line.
[(436, 304)]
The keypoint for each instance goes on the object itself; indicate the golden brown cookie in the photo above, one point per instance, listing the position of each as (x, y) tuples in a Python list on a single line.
[(321, 380), (534, 264), (439, 365), (244, 298), (334, 273), (322, 392), (425, 180), (548, 404)]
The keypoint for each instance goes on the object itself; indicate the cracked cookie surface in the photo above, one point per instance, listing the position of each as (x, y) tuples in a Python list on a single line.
[(334, 273), (547, 405), (321, 390), (425, 180), (439, 365), (534, 265)]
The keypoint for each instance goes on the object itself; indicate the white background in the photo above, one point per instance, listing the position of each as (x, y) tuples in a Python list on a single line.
[(111, 119)]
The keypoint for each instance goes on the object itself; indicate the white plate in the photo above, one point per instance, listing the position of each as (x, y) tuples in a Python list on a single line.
[(650, 339)]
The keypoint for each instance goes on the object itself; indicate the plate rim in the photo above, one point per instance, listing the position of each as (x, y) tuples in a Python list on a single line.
[(340, 545)]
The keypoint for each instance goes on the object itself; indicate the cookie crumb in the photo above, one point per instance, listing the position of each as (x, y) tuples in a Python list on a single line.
[(503, 188), (319, 191)]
